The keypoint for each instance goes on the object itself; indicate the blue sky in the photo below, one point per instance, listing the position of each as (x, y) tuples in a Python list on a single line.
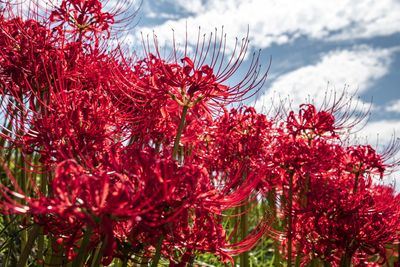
[(315, 45)]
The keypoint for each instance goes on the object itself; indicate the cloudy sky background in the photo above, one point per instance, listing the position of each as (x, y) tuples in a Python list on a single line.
[(315, 46)]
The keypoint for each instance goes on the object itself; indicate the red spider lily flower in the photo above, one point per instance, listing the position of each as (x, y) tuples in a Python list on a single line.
[(310, 122), (198, 203), (339, 223), (87, 20), (187, 85), (83, 130), (362, 160), (153, 197), (305, 145), (238, 141), (153, 115), (113, 181), (197, 75), (27, 50), (191, 81), (306, 156), (82, 18), (318, 171), (73, 116), (82, 201)]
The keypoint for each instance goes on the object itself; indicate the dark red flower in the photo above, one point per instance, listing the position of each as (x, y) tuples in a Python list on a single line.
[(311, 122), (363, 160), (339, 223), (25, 58), (81, 18)]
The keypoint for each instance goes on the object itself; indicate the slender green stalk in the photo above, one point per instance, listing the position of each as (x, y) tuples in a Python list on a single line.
[(244, 229), (272, 209), (345, 261), (117, 263), (125, 262), (23, 182), (290, 219), (179, 133), (157, 256), (41, 239), (233, 224), (191, 261), (99, 254), (28, 246), (355, 189), (80, 258), (272, 261), (8, 261), (398, 250), (55, 255), (40, 245)]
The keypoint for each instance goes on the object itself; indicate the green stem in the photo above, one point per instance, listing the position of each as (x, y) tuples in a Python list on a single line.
[(244, 227), (55, 255), (40, 246), (191, 261), (290, 219), (272, 210), (125, 262), (99, 254), (345, 261), (398, 250), (28, 246), (144, 261), (179, 133), (9, 260), (157, 256), (355, 189), (79, 260)]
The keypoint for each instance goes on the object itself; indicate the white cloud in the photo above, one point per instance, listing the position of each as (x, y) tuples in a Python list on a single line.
[(380, 132), (192, 6), (161, 15), (357, 69), (283, 21), (394, 106)]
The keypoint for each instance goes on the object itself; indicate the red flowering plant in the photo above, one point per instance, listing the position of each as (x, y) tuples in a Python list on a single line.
[(343, 227), (112, 159), (329, 206), (98, 186)]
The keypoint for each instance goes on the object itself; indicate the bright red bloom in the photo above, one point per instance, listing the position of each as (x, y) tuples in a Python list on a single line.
[(310, 122), (339, 223), (362, 160), (329, 190), (26, 55), (239, 141), (199, 79), (144, 157), (82, 18)]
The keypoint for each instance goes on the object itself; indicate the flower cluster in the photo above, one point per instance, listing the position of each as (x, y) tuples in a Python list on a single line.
[(141, 159), (334, 211), (103, 137)]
